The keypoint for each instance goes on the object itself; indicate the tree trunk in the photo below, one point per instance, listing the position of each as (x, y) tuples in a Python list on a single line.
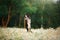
[(24, 23), (49, 21), (41, 20), (5, 22)]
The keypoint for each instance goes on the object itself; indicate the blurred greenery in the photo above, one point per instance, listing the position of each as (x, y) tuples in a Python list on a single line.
[(42, 12)]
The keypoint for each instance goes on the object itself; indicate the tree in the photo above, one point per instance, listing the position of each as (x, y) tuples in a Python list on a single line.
[(6, 10)]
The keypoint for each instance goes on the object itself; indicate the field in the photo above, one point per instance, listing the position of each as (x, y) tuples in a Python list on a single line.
[(22, 34)]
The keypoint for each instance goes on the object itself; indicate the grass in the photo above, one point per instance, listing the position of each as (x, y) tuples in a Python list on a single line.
[(22, 34)]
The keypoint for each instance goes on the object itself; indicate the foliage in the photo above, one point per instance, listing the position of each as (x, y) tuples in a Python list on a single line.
[(36, 8)]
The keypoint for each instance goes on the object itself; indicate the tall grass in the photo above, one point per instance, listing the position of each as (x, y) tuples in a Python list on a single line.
[(22, 34)]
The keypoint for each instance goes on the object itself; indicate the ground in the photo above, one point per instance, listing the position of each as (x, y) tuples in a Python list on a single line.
[(22, 34)]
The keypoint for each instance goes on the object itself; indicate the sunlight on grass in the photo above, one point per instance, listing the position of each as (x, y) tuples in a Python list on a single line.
[(22, 34)]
